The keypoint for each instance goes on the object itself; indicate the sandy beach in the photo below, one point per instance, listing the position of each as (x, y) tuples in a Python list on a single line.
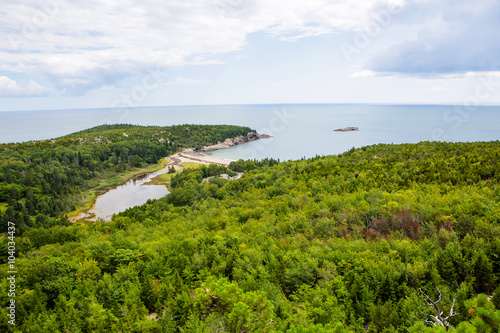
[(189, 155), (180, 157), (198, 156), (175, 160)]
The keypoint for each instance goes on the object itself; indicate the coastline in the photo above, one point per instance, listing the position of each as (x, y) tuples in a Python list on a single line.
[(196, 154), (200, 158), (175, 160), (100, 191)]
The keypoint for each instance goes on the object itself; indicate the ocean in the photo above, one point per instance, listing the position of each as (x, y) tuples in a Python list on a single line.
[(297, 130)]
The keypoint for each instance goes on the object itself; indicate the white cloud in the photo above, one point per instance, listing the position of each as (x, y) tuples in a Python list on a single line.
[(482, 74), (11, 88), (78, 46), (438, 89), (187, 81), (363, 74)]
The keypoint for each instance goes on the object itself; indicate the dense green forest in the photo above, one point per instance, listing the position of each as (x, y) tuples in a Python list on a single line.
[(41, 181), (328, 244)]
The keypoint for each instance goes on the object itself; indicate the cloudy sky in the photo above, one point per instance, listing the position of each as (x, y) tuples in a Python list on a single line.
[(122, 53)]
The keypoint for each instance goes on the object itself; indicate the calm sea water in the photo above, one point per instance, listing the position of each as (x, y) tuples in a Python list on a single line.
[(298, 130)]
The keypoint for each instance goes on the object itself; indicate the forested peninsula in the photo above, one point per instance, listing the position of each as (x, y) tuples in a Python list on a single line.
[(365, 241), (42, 181)]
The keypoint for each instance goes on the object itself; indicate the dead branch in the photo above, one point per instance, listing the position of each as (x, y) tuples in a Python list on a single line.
[(438, 318)]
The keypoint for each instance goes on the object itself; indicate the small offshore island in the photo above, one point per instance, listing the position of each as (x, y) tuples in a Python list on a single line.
[(375, 238), (347, 129)]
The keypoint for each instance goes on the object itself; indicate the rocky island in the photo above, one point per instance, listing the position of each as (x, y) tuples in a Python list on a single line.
[(346, 129)]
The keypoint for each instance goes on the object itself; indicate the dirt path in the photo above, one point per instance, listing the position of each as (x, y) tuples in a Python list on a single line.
[(174, 161)]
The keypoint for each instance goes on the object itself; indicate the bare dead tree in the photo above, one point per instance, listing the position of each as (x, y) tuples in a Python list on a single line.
[(438, 319)]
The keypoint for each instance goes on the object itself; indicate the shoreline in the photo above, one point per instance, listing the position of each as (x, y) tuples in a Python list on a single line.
[(196, 154), (87, 216), (84, 214), (175, 160), (200, 158)]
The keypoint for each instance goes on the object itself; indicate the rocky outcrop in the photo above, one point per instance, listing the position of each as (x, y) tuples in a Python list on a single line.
[(346, 129), (252, 136)]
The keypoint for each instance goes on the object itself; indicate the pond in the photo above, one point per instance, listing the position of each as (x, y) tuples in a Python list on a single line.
[(133, 193)]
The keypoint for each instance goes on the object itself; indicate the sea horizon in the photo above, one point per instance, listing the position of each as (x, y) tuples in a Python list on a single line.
[(298, 130), (450, 104)]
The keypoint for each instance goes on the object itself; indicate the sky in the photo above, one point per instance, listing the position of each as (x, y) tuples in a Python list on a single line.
[(62, 54)]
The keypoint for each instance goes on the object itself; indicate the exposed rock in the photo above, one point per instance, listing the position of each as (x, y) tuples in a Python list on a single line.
[(346, 129), (229, 142)]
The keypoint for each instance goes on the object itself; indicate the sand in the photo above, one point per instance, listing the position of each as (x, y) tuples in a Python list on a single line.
[(175, 161), (197, 158)]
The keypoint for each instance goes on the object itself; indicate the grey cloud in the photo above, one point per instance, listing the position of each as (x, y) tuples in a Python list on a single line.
[(78, 46), (465, 41)]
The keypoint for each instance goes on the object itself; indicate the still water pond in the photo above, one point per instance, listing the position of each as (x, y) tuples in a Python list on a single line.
[(133, 193)]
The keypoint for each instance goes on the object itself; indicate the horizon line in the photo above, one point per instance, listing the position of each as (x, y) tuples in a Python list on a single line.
[(256, 104)]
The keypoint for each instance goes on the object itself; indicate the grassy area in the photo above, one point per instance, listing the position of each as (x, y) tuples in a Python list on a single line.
[(192, 165), (164, 179), (89, 199), (109, 181)]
